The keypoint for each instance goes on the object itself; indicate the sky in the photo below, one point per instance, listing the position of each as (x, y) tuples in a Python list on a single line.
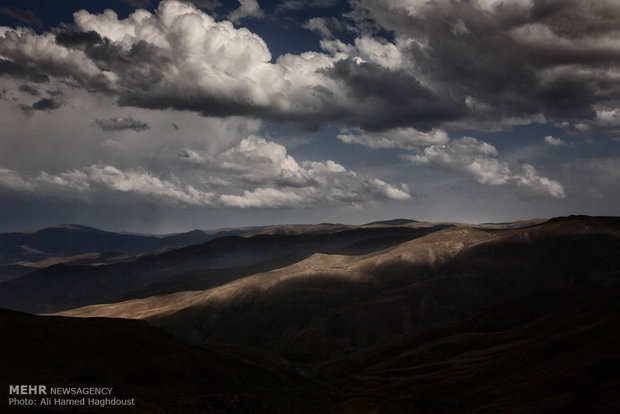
[(166, 116)]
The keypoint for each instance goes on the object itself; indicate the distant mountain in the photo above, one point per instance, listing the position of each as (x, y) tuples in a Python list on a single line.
[(201, 266), (395, 222), (72, 239)]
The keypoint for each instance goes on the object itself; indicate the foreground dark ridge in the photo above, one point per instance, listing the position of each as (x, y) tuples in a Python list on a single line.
[(162, 374)]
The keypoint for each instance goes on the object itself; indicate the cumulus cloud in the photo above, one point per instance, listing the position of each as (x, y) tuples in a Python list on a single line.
[(516, 60), (478, 160), (256, 173), (120, 124), (265, 164), (181, 58), (405, 138), (480, 64), (247, 8), (556, 142)]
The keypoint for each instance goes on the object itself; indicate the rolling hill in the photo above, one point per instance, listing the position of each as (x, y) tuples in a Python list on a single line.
[(207, 265), (329, 305), (500, 318)]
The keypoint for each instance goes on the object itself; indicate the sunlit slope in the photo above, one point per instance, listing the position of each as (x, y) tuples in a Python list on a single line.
[(61, 287), (330, 305)]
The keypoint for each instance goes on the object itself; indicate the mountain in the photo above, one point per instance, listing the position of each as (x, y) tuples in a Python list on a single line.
[(161, 374), (330, 305), (453, 319), (394, 222), (73, 239), (201, 266)]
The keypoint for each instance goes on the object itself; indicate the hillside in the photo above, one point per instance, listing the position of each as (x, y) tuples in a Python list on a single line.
[(330, 305), (504, 319), (162, 374), (201, 266)]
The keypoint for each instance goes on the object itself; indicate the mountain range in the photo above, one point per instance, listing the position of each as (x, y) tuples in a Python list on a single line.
[(393, 316)]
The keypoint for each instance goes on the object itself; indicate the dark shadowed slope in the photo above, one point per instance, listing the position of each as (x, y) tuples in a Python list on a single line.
[(564, 359), (162, 374), (201, 266)]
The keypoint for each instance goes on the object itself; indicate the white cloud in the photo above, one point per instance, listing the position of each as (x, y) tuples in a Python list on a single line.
[(254, 174), (146, 183), (556, 142), (405, 138), (12, 180), (263, 198), (324, 26), (71, 180), (247, 8), (477, 159)]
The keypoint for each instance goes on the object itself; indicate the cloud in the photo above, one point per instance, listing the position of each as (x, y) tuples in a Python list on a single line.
[(10, 179), (207, 4), (477, 159), (556, 142), (256, 173), (43, 104), (24, 16), (404, 138), (265, 164), (29, 90), (46, 104), (516, 60), (247, 8), (14, 70), (181, 58), (120, 124), (426, 65), (296, 5), (324, 26)]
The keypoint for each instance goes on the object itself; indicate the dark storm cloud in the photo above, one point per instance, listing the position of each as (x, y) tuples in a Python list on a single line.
[(482, 64), (15, 70), (22, 15), (77, 39), (29, 90), (394, 98), (508, 57), (120, 124), (46, 104)]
